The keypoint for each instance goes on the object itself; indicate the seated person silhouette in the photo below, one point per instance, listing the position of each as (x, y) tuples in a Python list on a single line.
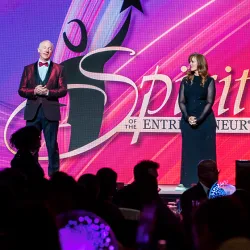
[(27, 141), (132, 195), (192, 197)]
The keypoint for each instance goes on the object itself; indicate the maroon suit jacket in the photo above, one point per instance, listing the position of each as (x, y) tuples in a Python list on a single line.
[(54, 81)]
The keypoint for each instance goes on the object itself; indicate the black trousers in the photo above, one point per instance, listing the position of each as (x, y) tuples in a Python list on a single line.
[(50, 129)]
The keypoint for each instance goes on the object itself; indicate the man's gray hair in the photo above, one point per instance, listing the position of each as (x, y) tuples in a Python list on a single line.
[(40, 44)]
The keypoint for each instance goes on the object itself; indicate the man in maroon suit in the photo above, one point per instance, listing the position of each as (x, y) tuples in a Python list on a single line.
[(42, 84)]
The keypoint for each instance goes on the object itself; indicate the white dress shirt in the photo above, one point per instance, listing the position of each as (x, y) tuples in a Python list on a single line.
[(206, 189)]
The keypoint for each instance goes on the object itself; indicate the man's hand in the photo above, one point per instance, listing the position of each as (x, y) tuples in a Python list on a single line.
[(41, 90), (36, 89)]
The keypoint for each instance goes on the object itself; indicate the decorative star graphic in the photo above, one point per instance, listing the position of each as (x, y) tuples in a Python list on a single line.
[(135, 3)]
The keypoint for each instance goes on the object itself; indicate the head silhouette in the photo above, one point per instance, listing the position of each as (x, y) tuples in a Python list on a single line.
[(26, 138), (145, 169), (208, 172)]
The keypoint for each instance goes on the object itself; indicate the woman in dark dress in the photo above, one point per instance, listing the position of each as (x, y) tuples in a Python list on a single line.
[(198, 124)]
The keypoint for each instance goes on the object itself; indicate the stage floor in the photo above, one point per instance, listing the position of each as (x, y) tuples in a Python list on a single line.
[(169, 189), (169, 194)]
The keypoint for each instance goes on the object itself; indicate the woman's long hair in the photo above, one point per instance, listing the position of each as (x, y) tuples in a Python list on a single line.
[(202, 68)]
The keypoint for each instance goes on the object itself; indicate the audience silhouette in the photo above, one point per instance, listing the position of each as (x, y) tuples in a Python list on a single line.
[(138, 216)]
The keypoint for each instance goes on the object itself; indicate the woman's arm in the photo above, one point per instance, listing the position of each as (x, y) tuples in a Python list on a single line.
[(210, 101), (182, 101)]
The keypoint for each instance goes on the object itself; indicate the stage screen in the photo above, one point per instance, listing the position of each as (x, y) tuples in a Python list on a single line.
[(125, 61)]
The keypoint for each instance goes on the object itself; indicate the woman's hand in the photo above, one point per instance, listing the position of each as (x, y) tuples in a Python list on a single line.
[(192, 120)]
